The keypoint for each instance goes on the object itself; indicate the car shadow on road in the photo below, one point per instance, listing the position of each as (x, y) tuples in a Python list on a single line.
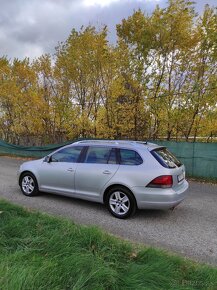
[(153, 213), (73, 200), (101, 208)]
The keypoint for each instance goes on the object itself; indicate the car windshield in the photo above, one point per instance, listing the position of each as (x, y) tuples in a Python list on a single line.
[(166, 157)]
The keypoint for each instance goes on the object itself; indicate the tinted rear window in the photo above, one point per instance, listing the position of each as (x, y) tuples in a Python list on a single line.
[(166, 158), (101, 155)]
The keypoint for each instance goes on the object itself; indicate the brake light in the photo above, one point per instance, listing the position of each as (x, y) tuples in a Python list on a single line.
[(164, 181)]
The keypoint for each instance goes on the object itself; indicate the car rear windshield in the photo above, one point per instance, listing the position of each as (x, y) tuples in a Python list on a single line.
[(166, 158)]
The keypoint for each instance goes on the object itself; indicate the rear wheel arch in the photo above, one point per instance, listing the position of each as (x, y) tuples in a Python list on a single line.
[(106, 191)]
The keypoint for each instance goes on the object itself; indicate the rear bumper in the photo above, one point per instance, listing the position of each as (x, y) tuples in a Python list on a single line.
[(160, 198)]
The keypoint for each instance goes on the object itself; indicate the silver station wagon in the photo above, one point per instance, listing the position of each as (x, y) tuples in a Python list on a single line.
[(123, 175)]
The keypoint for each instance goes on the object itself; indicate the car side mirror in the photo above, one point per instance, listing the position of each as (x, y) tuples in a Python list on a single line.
[(47, 159)]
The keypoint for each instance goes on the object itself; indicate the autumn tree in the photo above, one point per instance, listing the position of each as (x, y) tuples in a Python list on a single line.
[(83, 58), (159, 80)]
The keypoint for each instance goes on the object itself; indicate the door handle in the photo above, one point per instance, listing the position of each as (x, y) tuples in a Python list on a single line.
[(106, 172), (70, 170)]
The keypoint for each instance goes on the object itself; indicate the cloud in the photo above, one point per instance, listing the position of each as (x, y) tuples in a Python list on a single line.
[(101, 3), (104, 3), (31, 28)]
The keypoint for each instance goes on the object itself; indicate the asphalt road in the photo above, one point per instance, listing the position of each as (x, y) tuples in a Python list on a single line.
[(189, 230)]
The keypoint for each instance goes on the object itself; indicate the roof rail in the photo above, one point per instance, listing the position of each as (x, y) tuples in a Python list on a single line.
[(114, 142)]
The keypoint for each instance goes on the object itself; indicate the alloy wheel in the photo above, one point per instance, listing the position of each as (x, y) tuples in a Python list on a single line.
[(28, 184), (119, 203)]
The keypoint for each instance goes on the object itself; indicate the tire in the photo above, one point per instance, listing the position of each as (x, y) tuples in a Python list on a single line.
[(29, 184), (120, 202)]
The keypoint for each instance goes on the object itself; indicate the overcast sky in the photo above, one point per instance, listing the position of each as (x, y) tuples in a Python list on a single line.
[(31, 28)]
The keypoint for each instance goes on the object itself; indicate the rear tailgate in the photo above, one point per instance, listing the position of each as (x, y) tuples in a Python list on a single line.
[(168, 160), (178, 174)]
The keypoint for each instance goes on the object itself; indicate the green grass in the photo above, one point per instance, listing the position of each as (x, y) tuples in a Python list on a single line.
[(38, 251)]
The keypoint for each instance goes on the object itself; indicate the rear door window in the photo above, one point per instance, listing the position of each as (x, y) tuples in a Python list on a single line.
[(166, 158), (100, 155), (129, 157)]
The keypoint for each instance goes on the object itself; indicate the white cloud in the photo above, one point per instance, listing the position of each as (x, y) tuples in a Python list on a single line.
[(101, 3), (104, 3), (32, 51)]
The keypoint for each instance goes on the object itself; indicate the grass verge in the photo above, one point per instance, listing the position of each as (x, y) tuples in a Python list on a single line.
[(38, 251)]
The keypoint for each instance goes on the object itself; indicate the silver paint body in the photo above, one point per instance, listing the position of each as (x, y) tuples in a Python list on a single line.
[(89, 181)]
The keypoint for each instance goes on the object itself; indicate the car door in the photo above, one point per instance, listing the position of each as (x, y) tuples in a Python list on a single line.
[(57, 174), (98, 167)]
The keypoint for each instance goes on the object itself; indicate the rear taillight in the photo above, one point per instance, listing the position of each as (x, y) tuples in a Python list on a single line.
[(164, 181)]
